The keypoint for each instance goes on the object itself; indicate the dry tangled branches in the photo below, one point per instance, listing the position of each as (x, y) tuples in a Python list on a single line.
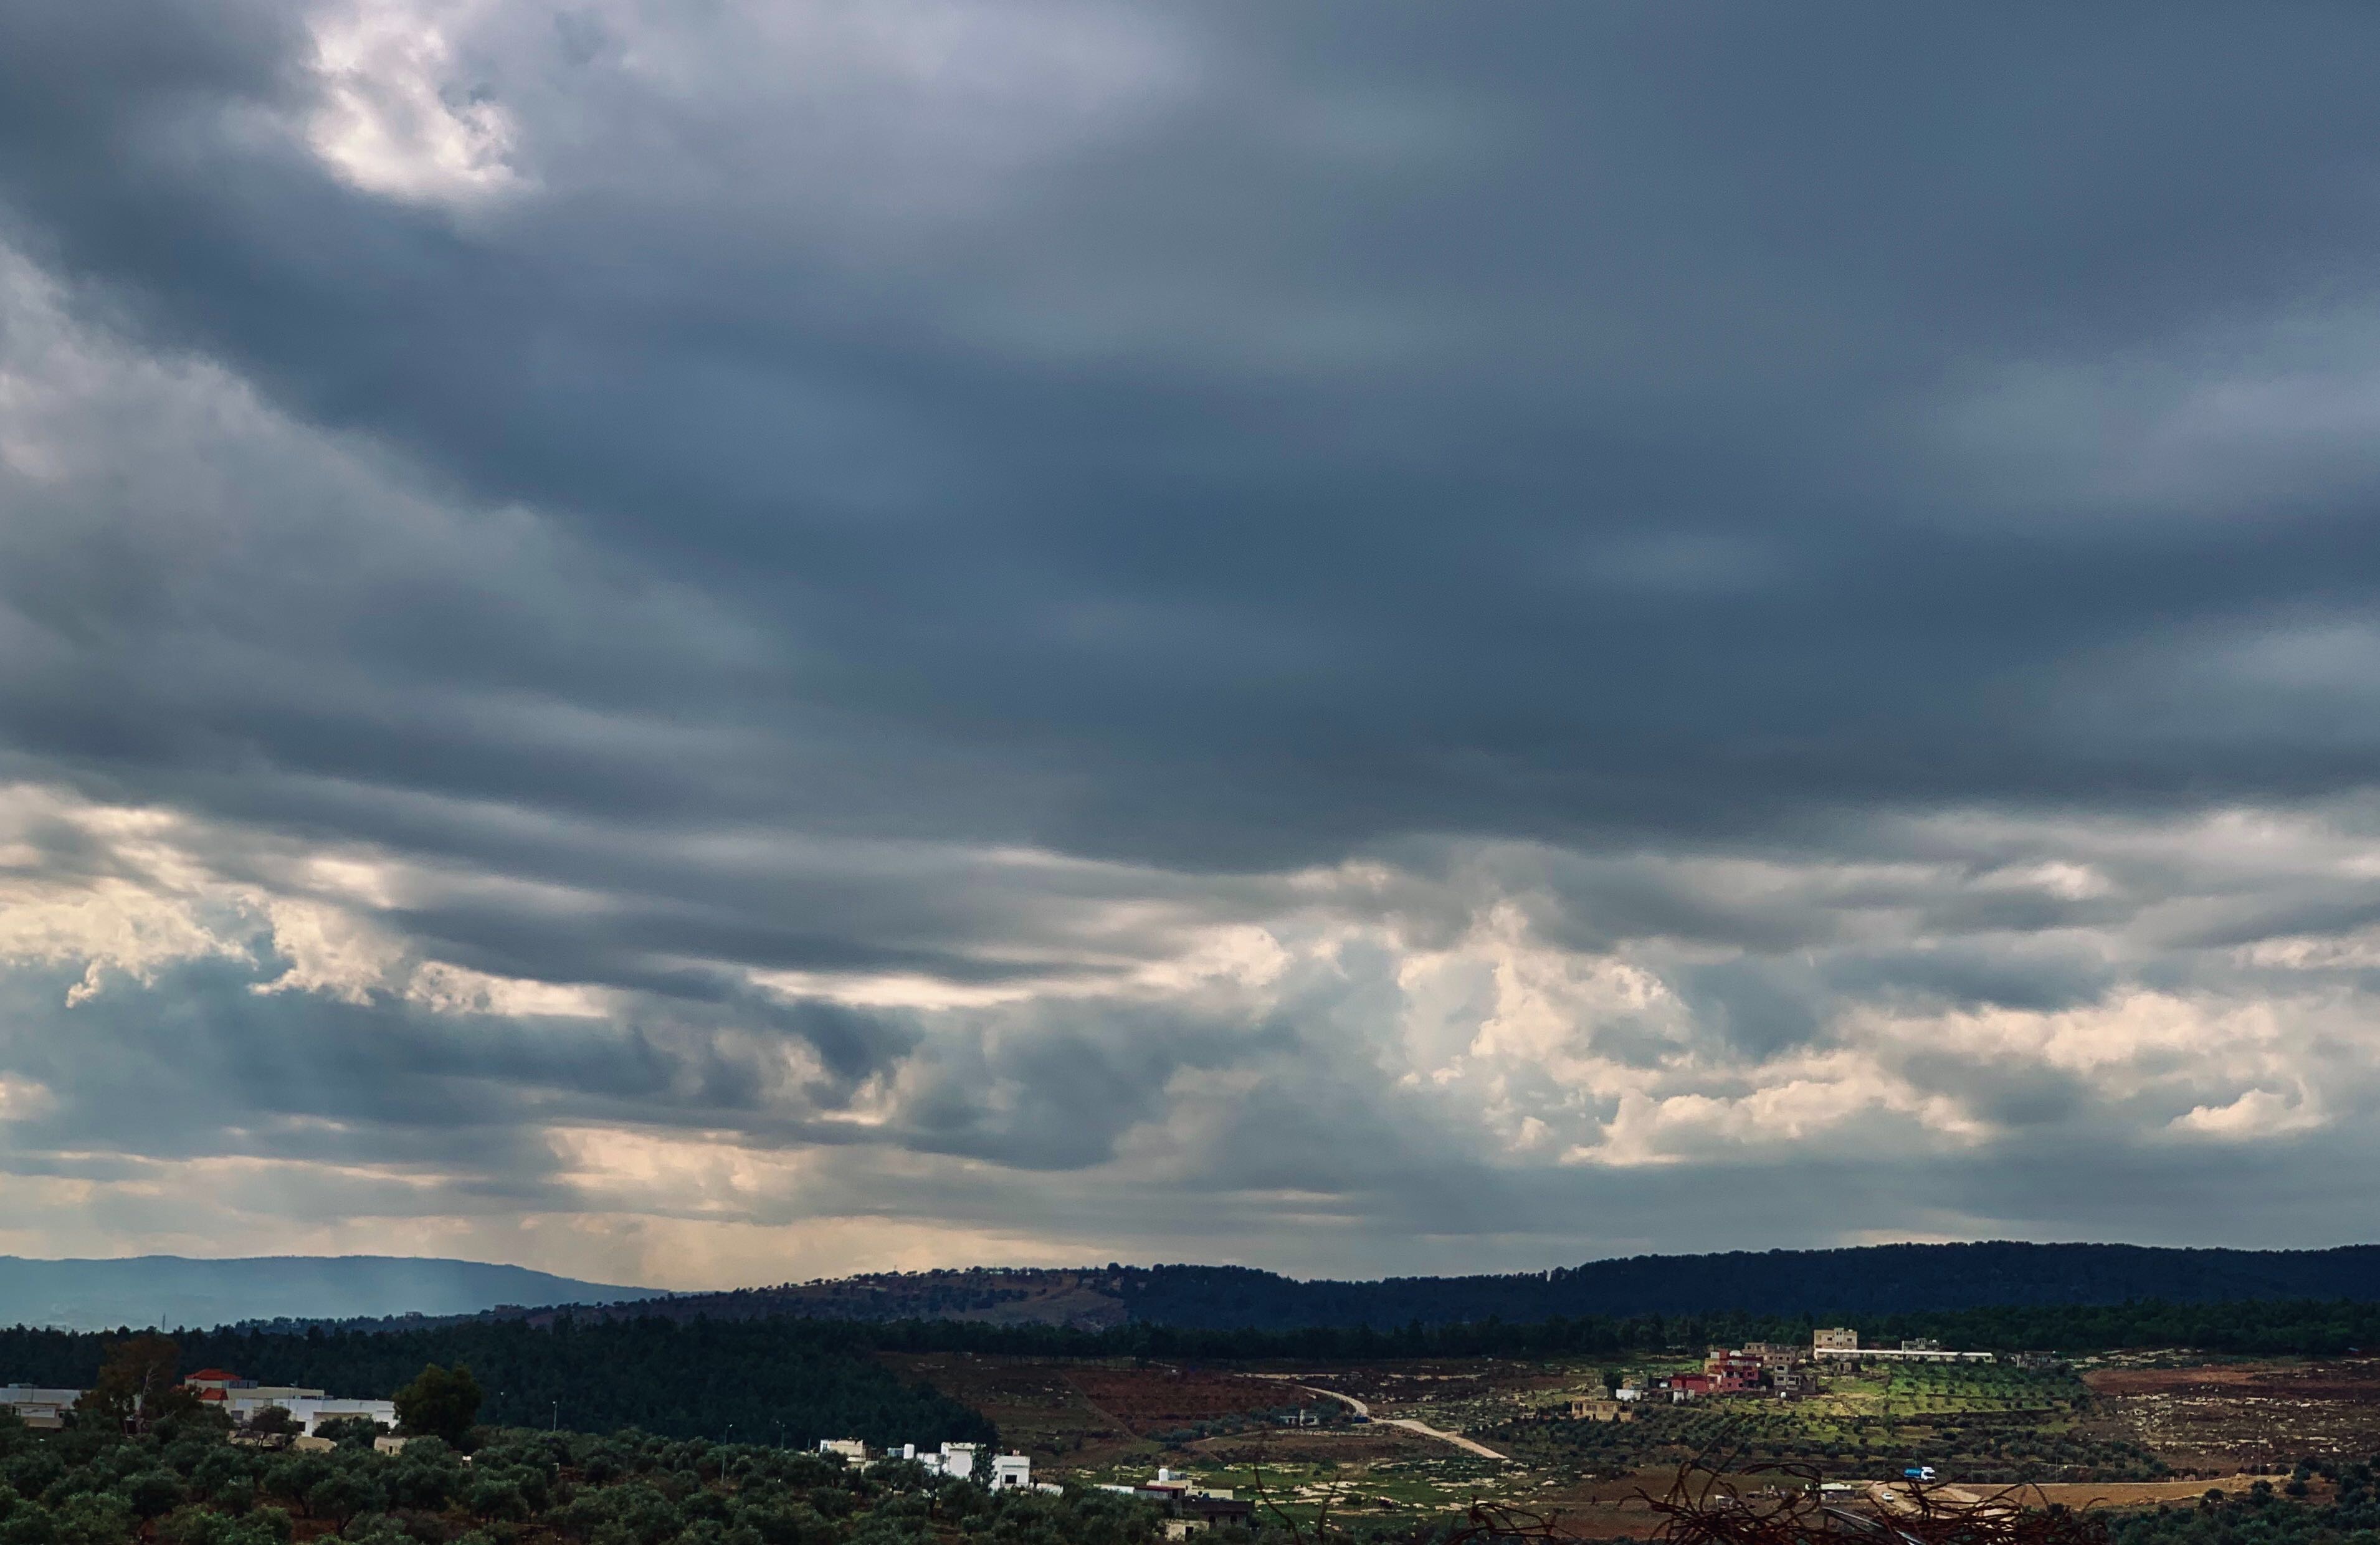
[(1712, 1503), (1715, 1501)]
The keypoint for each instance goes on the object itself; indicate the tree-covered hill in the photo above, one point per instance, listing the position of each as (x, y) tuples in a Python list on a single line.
[(1875, 1279)]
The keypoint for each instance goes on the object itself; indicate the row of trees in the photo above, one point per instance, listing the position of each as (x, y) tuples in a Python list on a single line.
[(2266, 1515), (786, 1381), (2313, 1328), (1987, 1448)]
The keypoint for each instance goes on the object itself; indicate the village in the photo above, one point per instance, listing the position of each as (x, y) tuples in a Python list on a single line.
[(280, 1411), (1391, 1437), (1782, 1371), (1189, 1505)]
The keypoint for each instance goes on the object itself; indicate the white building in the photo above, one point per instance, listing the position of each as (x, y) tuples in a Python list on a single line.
[(1010, 1472), (955, 1460), (309, 1409), (256, 1397), (37, 1407), (241, 1402), (1842, 1346), (241, 1399)]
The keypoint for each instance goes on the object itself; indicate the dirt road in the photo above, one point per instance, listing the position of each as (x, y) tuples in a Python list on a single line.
[(1365, 1411)]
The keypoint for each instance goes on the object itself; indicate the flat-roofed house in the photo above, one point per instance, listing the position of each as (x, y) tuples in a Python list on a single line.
[(37, 1407)]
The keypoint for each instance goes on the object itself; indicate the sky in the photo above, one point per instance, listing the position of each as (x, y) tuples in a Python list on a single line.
[(701, 643)]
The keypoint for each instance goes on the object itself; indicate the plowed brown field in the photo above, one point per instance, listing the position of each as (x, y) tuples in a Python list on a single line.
[(1091, 1413), (2246, 1415)]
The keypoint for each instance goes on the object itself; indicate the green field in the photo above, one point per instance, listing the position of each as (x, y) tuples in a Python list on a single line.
[(1985, 1423)]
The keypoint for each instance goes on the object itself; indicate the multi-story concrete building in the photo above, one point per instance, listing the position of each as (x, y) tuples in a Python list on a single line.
[(1777, 1354), (1904, 1354), (1733, 1372)]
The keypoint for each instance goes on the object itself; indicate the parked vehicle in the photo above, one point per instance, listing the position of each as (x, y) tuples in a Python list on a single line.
[(1918, 1472)]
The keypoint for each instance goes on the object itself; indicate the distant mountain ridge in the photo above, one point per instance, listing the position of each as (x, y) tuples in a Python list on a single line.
[(186, 1291), (1868, 1279), (1875, 1279)]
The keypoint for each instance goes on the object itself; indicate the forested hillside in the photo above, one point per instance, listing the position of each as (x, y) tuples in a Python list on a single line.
[(1832, 1284), (794, 1381), (1876, 1279)]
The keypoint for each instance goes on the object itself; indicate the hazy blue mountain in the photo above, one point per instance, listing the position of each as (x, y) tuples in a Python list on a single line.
[(178, 1290)]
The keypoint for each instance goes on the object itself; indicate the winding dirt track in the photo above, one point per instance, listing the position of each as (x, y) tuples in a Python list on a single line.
[(1365, 1411)]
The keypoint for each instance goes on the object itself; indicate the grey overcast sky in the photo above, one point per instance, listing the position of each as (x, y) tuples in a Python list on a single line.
[(699, 642)]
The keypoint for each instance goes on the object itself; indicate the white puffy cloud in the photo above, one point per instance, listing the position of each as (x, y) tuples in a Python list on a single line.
[(1152, 1073)]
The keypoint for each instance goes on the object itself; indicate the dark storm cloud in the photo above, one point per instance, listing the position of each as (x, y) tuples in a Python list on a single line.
[(1330, 623), (164, 1075), (1622, 487), (1970, 976)]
